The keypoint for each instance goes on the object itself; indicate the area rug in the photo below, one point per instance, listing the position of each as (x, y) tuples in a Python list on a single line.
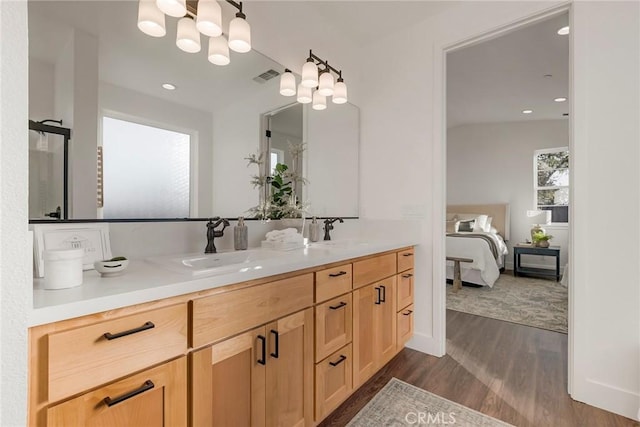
[(527, 301), (401, 404)]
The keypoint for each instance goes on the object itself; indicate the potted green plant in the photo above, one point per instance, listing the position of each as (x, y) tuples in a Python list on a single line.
[(541, 239)]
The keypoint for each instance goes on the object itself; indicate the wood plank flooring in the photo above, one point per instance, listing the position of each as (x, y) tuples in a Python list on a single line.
[(511, 372)]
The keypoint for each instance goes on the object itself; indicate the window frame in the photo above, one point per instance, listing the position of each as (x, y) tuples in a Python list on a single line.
[(537, 187)]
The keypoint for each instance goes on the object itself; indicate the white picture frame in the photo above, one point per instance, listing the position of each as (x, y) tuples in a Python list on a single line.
[(92, 237)]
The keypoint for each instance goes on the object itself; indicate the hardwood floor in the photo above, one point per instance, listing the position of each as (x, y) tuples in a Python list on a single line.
[(511, 372)]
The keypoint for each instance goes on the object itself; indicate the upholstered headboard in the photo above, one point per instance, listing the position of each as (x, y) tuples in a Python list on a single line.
[(499, 212)]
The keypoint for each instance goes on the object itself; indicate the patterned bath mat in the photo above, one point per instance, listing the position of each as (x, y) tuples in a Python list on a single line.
[(540, 303), (401, 404)]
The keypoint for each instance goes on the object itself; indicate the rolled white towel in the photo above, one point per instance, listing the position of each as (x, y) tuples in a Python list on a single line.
[(280, 235), (293, 238)]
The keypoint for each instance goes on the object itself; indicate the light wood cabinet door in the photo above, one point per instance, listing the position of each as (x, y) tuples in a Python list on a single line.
[(289, 371), (405, 290), (405, 259), (372, 269), (405, 326), (333, 381), (385, 323), (333, 281), (156, 397), (228, 382), (333, 325)]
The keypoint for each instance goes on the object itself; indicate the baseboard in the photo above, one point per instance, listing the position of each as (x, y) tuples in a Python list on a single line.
[(426, 344), (609, 398)]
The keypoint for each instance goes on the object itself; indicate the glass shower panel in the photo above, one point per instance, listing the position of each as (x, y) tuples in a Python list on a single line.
[(46, 174)]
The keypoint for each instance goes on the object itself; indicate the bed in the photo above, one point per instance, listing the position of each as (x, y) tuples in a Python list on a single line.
[(470, 236)]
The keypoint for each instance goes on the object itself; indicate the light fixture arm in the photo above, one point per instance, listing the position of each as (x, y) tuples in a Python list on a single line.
[(237, 5), (192, 9), (319, 61)]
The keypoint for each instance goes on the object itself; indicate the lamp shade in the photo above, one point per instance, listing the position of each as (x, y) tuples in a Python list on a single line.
[(339, 92), (239, 35), (326, 84), (151, 19), (209, 19), (309, 74), (188, 37), (287, 83), (218, 51), (304, 94), (539, 217), (175, 8), (319, 101)]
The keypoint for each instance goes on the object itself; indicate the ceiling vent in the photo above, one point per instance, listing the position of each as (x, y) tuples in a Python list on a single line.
[(266, 76)]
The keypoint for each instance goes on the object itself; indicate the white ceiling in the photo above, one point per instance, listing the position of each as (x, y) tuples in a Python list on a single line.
[(495, 80)]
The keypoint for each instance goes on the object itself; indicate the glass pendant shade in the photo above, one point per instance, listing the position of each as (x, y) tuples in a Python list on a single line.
[(218, 51), (151, 19), (340, 92), (209, 18), (319, 101), (310, 74), (239, 35), (326, 84), (188, 37), (287, 83), (304, 94), (175, 8)]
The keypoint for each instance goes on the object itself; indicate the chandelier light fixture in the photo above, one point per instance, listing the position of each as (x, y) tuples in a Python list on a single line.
[(203, 18), (316, 84)]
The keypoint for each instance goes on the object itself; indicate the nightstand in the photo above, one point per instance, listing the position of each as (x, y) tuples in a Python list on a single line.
[(521, 249)]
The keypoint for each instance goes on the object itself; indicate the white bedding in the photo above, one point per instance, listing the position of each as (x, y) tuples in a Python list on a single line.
[(485, 269)]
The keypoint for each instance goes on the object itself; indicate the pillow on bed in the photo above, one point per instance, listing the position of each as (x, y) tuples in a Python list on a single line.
[(487, 226), (467, 216), (481, 221), (466, 225), (452, 226)]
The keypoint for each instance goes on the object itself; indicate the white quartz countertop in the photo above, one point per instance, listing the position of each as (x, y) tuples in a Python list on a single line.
[(144, 281)]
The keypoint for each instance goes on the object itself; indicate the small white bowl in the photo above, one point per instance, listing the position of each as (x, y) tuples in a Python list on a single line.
[(110, 268)]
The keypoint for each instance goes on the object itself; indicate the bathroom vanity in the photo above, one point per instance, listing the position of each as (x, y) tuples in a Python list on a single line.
[(281, 341)]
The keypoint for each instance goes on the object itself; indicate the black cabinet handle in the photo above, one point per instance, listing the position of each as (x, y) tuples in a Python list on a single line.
[(339, 361), (147, 325), (406, 276), (276, 353), (384, 293), (263, 358), (335, 307), (407, 313), (342, 273), (408, 254), (148, 385), (378, 296)]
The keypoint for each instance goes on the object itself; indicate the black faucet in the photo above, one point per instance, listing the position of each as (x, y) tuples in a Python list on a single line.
[(328, 226), (212, 233)]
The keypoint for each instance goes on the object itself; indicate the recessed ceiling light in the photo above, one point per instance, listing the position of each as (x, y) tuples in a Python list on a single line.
[(168, 86), (527, 111), (564, 31), (561, 99)]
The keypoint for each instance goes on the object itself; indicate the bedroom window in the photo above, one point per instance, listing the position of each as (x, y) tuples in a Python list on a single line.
[(551, 187)]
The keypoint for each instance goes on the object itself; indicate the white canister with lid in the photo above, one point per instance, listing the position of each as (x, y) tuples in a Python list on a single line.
[(62, 268)]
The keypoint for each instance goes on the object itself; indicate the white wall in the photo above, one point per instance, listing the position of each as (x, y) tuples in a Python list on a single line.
[(41, 90), (15, 251), (493, 163), (126, 104)]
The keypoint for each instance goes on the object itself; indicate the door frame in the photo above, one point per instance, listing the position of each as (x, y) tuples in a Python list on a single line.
[(439, 172)]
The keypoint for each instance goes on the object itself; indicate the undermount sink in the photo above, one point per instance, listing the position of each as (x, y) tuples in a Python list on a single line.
[(211, 264)]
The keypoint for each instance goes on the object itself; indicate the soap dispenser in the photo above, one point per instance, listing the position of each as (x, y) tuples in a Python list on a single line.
[(314, 230), (240, 235)]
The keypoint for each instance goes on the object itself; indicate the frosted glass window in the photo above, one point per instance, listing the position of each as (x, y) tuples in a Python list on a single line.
[(146, 171)]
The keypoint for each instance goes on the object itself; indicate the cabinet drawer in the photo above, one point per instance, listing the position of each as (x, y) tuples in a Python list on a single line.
[(405, 260), (405, 326), (223, 315), (333, 325), (85, 357), (372, 269), (156, 397), (333, 381), (405, 290), (333, 282)]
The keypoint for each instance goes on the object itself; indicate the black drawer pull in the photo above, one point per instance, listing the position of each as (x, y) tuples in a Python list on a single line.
[(378, 296), (408, 254), (147, 325), (148, 385), (335, 307), (342, 273), (406, 276), (276, 353), (407, 313), (339, 361), (263, 358), (384, 293)]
